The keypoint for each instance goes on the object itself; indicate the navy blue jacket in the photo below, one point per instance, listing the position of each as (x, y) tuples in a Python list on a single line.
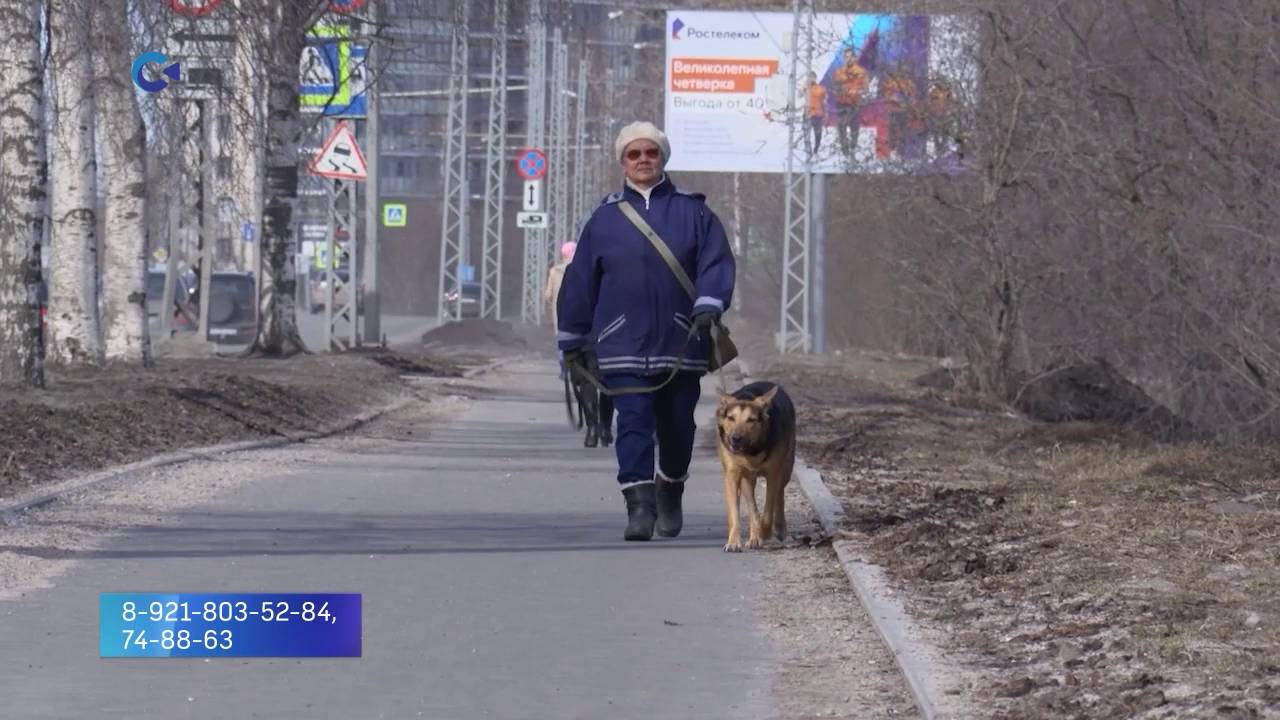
[(620, 295)]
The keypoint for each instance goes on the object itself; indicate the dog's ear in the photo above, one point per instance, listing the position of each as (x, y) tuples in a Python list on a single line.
[(765, 399), (726, 399)]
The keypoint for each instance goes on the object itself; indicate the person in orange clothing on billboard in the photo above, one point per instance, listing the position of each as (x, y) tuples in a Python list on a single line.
[(815, 112), (904, 122), (851, 80), (939, 125)]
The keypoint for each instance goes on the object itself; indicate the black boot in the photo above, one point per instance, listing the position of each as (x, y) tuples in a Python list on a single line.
[(670, 515), (590, 439), (641, 511)]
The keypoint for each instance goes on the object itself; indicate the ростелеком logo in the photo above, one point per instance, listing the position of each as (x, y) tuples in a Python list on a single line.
[(692, 33), (173, 71)]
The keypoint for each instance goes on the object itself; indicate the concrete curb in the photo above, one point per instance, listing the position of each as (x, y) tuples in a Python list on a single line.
[(888, 616), (49, 493)]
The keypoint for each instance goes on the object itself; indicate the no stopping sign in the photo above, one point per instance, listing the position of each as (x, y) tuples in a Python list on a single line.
[(531, 164)]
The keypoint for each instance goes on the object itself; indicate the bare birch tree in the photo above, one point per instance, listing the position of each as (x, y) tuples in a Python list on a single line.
[(123, 142), (285, 24), (23, 176), (73, 312)]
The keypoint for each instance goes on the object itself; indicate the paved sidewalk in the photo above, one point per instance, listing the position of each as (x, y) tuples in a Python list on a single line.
[(494, 577)]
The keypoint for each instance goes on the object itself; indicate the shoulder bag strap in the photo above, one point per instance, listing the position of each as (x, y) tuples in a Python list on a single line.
[(660, 245)]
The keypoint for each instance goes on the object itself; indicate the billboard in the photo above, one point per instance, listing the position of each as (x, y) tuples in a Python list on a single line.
[(884, 97)]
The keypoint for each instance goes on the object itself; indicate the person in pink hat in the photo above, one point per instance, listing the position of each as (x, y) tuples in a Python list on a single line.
[(556, 276), (597, 409)]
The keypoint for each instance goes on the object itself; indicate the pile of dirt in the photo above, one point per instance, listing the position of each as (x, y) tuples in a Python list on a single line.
[(90, 418), (489, 335), (1082, 568), (1096, 392)]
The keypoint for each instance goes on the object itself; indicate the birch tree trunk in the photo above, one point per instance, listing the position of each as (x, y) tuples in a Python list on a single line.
[(124, 141), (277, 309), (23, 174), (73, 308), (247, 147)]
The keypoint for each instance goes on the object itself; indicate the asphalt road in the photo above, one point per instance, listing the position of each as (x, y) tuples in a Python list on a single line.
[(494, 577)]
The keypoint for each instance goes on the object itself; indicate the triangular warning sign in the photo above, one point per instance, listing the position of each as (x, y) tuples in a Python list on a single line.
[(340, 156)]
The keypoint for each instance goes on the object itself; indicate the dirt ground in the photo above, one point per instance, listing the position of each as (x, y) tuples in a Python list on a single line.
[(1083, 570), (91, 418)]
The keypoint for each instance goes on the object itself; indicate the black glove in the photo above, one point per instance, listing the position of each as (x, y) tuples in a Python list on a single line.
[(577, 356), (704, 319)]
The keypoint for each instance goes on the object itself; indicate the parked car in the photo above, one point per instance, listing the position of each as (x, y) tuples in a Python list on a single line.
[(233, 309), (470, 298), (318, 289)]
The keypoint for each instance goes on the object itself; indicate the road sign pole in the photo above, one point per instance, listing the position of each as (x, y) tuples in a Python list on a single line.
[(331, 249), (535, 129), (340, 160), (372, 190)]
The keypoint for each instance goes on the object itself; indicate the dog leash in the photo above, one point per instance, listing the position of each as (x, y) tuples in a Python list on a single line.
[(613, 392), (568, 403)]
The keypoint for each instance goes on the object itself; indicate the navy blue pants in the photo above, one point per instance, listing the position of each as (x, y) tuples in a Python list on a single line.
[(665, 416)]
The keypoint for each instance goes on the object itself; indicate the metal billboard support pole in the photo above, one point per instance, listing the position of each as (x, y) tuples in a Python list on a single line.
[(534, 239), (608, 164), (558, 174), (818, 218), (372, 195), (794, 334), (579, 156), (453, 219), (495, 171)]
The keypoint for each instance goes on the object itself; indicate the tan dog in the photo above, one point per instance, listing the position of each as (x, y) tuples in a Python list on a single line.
[(757, 430)]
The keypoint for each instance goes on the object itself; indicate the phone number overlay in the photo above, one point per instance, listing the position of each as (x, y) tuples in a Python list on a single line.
[(148, 625)]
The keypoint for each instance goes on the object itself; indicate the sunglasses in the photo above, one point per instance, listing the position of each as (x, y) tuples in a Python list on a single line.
[(651, 153)]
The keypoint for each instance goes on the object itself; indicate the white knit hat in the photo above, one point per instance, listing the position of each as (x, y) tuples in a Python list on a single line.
[(641, 131)]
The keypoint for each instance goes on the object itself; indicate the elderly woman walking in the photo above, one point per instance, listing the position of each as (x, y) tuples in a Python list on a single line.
[(622, 299)]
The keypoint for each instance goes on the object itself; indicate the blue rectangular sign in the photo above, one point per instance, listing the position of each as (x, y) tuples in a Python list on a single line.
[(158, 625)]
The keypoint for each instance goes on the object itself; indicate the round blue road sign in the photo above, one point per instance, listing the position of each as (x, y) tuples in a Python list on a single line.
[(531, 164)]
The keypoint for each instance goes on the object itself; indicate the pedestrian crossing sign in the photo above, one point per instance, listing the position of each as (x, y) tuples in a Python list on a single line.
[(395, 215), (333, 77)]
